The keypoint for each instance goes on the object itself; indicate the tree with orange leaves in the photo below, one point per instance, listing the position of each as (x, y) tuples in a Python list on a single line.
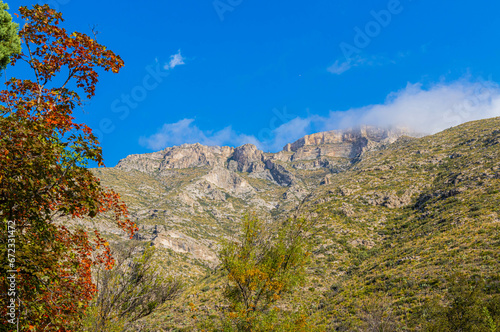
[(43, 177)]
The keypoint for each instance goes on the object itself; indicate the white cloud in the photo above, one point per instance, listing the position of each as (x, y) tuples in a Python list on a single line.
[(426, 110), (339, 67), (290, 132), (175, 60), (185, 131)]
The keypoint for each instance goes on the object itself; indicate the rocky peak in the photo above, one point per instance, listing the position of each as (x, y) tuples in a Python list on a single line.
[(351, 135), (194, 155), (349, 143), (187, 202), (184, 156), (245, 158), (344, 144)]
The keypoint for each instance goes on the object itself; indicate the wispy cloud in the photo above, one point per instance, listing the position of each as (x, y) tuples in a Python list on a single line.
[(342, 65), (425, 110), (175, 60), (339, 67)]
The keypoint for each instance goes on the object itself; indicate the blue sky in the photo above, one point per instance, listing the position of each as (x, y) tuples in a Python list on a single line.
[(229, 72)]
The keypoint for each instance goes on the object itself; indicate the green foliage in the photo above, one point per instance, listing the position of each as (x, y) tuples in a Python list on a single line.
[(467, 308), (261, 266), (490, 322), (273, 320), (10, 42)]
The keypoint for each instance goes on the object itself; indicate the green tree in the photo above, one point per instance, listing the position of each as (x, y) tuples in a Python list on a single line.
[(468, 308), (262, 265), (9, 39)]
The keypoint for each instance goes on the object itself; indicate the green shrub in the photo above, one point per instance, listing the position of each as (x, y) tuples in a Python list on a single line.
[(467, 308)]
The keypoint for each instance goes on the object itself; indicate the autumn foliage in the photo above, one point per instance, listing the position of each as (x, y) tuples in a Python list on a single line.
[(43, 179)]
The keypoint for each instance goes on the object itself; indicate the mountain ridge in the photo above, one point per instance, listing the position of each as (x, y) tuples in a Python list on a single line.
[(348, 143), (209, 187), (393, 222)]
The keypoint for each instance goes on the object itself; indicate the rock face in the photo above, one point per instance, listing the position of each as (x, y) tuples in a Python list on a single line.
[(364, 133), (183, 191), (247, 158), (229, 181), (177, 157), (348, 143), (182, 243), (280, 174)]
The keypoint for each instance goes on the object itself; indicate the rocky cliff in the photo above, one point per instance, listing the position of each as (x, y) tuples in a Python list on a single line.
[(185, 197), (349, 143)]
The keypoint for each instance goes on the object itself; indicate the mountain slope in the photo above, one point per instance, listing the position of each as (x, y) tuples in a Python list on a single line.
[(425, 210), (185, 198), (396, 216)]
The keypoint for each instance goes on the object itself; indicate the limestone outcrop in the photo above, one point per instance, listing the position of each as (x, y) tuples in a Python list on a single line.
[(202, 189), (348, 143), (177, 157)]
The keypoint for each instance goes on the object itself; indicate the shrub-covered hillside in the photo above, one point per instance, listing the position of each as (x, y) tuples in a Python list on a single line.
[(405, 236)]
